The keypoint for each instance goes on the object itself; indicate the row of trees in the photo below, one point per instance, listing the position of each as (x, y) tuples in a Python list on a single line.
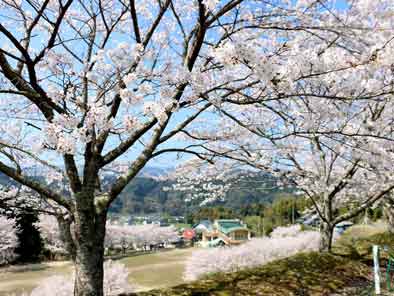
[(301, 89), (40, 237)]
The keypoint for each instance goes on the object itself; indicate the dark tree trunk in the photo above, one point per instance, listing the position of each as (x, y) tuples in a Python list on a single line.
[(89, 254), (66, 236), (84, 241), (326, 232)]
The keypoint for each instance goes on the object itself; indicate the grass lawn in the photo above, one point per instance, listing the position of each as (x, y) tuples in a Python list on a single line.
[(157, 270), (18, 279), (358, 240), (182, 225), (148, 271)]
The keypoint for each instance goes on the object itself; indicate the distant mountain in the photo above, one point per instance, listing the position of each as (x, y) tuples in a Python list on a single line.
[(145, 194), (154, 171)]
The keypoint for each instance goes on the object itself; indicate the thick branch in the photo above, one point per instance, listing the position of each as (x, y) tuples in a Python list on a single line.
[(72, 173), (36, 186), (366, 204), (133, 13)]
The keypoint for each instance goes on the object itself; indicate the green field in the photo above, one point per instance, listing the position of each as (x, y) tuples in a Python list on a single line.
[(148, 271)]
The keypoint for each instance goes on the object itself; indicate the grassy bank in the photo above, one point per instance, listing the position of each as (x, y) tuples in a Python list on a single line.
[(346, 272), (303, 274)]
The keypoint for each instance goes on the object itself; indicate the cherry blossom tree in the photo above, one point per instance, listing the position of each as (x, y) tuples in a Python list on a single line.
[(117, 237), (91, 87), (9, 240), (137, 236), (324, 126), (330, 162), (49, 230)]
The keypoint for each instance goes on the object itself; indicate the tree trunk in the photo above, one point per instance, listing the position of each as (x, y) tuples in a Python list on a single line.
[(84, 241), (66, 236), (366, 219), (389, 212), (89, 272), (89, 255), (326, 232)]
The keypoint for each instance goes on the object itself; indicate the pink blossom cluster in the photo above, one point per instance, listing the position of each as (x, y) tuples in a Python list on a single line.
[(286, 231), (137, 236), (256, 252), (49, 230), (8, 240), (115, 282)]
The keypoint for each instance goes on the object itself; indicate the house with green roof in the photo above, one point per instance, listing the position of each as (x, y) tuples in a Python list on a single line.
[(226, 232)]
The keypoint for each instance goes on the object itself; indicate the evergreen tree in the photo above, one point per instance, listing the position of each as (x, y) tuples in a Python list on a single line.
[(30, 242)]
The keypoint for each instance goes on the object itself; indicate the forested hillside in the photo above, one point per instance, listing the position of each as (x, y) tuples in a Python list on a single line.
[(146, 195)]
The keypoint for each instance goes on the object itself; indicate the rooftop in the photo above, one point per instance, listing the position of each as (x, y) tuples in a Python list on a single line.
[(229, 225)]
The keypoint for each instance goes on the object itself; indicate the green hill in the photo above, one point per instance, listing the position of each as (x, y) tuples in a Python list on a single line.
[(146, 196)]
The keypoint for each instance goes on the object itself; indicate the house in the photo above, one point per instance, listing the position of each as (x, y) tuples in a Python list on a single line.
[(225, 232), (202, 226), (311, 218), (342, 226)]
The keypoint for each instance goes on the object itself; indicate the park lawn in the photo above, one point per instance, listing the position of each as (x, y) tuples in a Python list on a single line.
[(157, 270), (24, 278), (147, 271), (182, 225)]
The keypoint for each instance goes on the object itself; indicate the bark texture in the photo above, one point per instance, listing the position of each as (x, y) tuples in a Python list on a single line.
[(83, 237), (326, 232), (89, 256), (89, 233)]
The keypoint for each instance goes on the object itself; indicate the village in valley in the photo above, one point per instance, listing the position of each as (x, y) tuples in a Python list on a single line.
[(214, 233)]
